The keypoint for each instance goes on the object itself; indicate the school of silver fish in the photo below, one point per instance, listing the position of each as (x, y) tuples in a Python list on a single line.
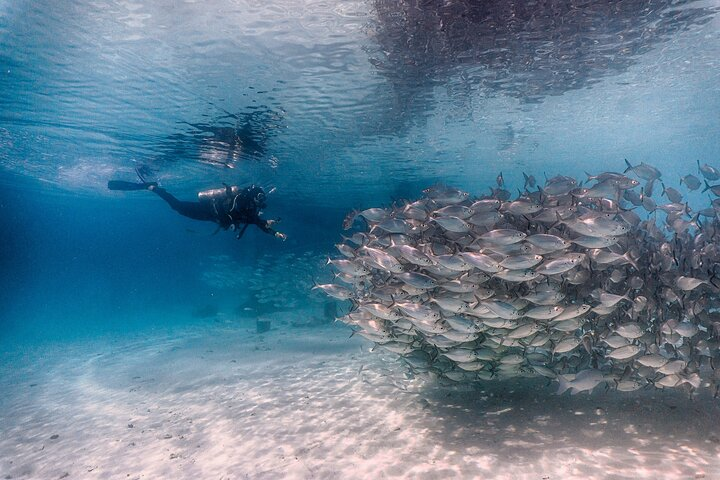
[(604, 281)]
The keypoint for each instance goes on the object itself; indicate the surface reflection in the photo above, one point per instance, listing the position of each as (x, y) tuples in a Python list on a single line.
[(527, 50), (224, 141)]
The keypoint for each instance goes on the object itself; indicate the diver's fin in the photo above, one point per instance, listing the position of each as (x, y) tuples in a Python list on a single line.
[(128, 186), (139, 173)]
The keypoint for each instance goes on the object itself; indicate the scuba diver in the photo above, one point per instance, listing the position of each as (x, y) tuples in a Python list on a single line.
[(230, 207)]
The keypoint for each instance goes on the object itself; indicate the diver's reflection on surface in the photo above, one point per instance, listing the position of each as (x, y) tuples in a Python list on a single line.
[(227, 141)]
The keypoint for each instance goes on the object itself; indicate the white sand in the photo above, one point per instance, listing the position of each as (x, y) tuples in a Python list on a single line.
[(220, 402)]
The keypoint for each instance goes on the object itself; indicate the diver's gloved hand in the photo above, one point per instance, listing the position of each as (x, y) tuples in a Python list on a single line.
[(272, 222), (281, 236)]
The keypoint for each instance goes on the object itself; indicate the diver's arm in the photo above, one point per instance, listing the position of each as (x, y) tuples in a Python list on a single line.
[(264, 225)]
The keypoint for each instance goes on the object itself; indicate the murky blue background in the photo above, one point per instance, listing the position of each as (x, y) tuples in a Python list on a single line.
[(339, 105)]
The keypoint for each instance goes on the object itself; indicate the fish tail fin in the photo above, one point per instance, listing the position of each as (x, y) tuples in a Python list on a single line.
[(563, 385), (354, 305), (558, 221), (632, 262), (707, 187), (626, 295), (629, 167), (693, 380), (712, 278), (696, 220)]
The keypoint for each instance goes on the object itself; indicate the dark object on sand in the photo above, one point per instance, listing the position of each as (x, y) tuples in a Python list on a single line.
[(263, 325)]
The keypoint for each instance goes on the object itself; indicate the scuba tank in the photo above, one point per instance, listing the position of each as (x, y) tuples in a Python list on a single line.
[(218, 194)]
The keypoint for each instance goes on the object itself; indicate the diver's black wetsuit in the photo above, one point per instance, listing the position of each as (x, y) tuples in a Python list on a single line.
[(232, 208), (229, 207)]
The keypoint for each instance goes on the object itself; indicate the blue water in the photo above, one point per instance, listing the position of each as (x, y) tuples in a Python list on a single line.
[(338, 105)]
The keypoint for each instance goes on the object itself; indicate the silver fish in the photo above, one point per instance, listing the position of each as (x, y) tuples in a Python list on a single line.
[(349, 267), (573, 311), (417, 280), (548, 242), (567, 344), (374, 214), (335, 291), (543, 312), (459, 211), (709, 172), (452, 224), (503, 236), (517, 275), (481, 261), (394, 225), (672, 194), (560, 265), (644, 171), (652, 360), (691, 182), (688, 283), (624, 353), (502, 309), (485, 219), (486, 205), (520, 262), (456, 263), (419, 311), (521, 207), (584, 381), (529, 181), (415, 256)]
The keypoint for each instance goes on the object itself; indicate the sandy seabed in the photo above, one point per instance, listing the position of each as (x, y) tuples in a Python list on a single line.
[(219, 401)]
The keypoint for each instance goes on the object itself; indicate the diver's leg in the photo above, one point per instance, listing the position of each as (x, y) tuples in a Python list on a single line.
[(127, 186), (194, 210)]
